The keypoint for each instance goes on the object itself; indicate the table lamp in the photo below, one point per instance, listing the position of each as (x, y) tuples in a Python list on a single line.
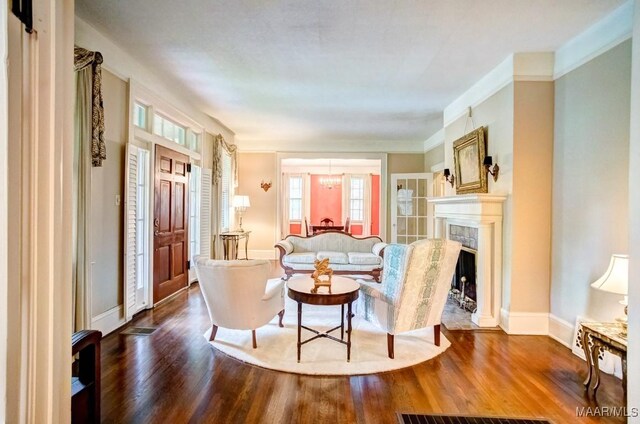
[(241, 203), (616, 280)]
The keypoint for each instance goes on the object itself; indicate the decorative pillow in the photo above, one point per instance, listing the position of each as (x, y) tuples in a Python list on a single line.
[(334, 257), (358, 258), (300, 258)]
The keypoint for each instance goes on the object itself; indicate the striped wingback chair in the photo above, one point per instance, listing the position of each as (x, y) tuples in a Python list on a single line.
[(415, 282)]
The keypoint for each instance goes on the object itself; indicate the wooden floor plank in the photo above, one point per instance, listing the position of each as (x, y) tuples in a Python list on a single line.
[(175, 376)]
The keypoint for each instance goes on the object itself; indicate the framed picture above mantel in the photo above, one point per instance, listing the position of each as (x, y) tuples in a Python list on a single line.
[(468, 158)]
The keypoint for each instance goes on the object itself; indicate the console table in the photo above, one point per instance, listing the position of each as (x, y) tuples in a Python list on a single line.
[(597, 336), (230, 242)]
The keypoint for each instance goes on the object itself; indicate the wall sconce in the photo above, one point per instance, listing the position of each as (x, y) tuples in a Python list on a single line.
[(449, 177), (488, 161), (265, 186)]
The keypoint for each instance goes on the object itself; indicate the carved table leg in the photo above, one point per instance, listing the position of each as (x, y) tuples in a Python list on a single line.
[(595, 352), (587, 354), (299, 328), (342, 322), (349, 332)]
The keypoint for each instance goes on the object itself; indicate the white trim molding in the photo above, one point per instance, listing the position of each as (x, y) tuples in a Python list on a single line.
[(434, 141), (524, 323), (597, 39), (560, 330), (109, 321), (516, 67)]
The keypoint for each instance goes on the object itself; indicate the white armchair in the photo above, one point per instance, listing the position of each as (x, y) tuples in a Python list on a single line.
[(415, 283), (239, 294)]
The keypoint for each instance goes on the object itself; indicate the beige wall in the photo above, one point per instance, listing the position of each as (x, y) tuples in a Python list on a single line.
[(107, 182), (261, 217), (400, 163), (590, 183), (433, 157), (531, 201), (495, 113)]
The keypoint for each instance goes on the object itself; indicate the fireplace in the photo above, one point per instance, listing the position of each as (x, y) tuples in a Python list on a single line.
[(475, 220), (463, 286)]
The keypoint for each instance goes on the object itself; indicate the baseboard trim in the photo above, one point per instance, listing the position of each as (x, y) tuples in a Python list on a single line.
[(263, 254), (560, 330), (524, 323), (109, 321)]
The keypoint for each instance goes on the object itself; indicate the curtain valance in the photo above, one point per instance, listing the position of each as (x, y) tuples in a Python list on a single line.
[(84, 58), (220, 145)]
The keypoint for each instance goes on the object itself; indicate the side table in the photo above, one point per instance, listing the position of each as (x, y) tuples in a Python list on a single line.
[(597, 336), (343, 291), (230, 243)]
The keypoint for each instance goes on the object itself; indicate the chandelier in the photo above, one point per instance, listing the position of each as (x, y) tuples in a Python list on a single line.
[(330, 181)]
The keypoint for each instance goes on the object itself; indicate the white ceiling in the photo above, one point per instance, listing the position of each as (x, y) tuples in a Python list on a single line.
[(356, 71)]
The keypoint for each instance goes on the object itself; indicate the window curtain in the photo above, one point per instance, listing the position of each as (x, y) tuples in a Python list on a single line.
[(366, 223), (346, 198), (92, 61), (306, 202), (284, 223), (220, 145), (81, 171)]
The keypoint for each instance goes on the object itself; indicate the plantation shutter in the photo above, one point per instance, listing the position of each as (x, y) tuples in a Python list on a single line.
[(205, 213), (130, 219)]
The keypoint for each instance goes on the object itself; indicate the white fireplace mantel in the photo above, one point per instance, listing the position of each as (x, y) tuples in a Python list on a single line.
[(484, 212)]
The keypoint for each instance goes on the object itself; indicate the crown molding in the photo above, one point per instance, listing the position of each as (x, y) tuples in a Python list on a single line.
[(435, 140), (343, 146), (597, 39), (516, 67)]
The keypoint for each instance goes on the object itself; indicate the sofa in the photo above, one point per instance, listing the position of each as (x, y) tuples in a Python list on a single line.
[(347, 254)]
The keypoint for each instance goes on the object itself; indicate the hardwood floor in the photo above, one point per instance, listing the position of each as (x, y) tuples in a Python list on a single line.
[(175, 376)]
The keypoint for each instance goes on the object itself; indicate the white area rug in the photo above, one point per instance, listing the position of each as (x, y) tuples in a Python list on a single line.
[(277, 346)]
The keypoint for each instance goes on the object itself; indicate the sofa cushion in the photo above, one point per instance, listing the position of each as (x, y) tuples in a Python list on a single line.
[(334, 257), (300, 258), (357, 258)]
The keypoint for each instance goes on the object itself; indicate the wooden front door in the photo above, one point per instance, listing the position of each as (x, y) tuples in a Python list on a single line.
[(171, 217)]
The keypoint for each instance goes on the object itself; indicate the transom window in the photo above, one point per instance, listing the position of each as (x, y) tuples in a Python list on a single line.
[(295, 198), (356, 208), (140, 115), (169, 129)]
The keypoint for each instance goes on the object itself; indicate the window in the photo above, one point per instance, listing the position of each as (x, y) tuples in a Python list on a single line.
[(194, 211), (140, 115), (169, 129), (295, 198), (356, 208), (194, 142), (225, 199)]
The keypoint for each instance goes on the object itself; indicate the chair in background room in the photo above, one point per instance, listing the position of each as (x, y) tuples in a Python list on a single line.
[(326, 221), (415, 284), (347, 223), (239, 294), (307, 233)]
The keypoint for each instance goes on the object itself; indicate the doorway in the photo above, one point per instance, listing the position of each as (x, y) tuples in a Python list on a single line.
[(411, 214), (170, 223)]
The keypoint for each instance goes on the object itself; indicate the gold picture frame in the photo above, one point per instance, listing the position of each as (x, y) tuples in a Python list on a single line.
[(468, 158)]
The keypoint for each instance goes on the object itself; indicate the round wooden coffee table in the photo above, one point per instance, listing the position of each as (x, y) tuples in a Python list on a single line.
[(343, 291)]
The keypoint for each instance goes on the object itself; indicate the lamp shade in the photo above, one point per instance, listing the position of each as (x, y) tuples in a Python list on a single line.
[(241, 201), (616, 277)]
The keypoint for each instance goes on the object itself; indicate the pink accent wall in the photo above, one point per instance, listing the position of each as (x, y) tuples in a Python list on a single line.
[(325, 203), (328, 203)]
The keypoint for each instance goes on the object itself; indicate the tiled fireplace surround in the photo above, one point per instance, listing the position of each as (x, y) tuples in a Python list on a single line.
[(480, 216)]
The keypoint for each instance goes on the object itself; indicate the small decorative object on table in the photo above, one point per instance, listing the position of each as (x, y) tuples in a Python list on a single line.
[(322, 268)]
